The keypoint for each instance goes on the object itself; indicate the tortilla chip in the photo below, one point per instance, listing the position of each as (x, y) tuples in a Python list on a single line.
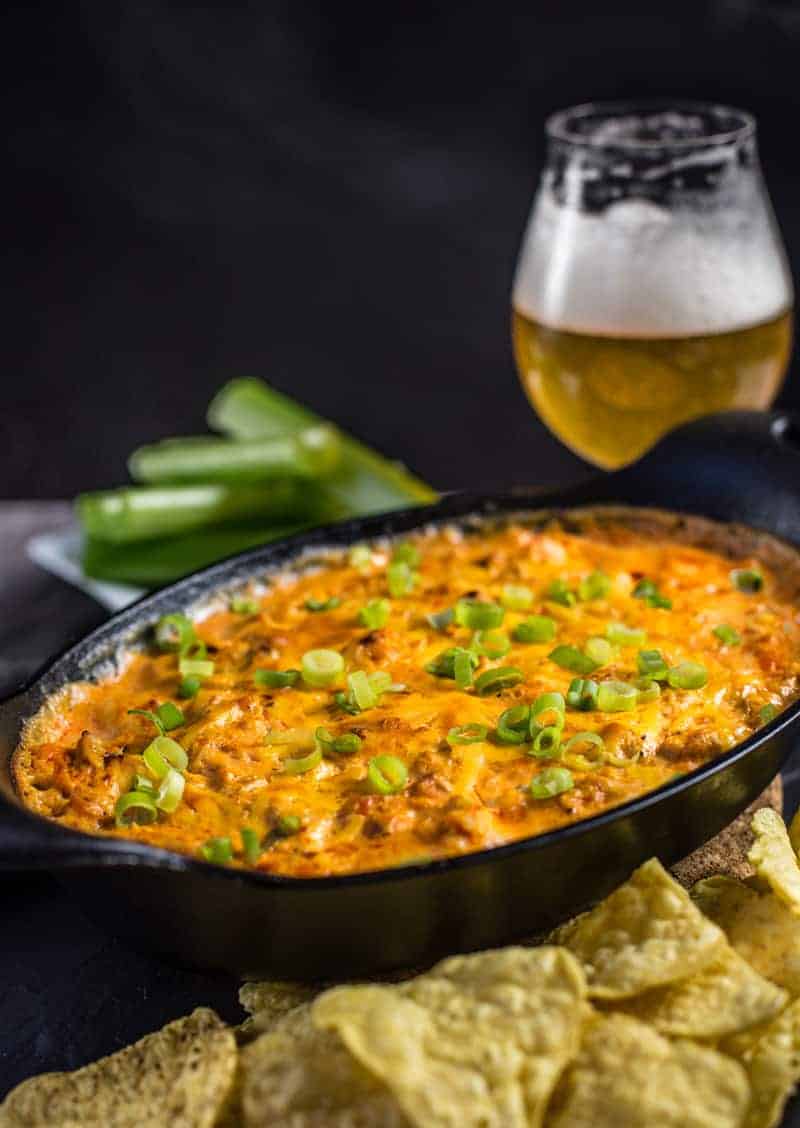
[(771, 1056), (479, 1040), (725, 997), (646, 934), (297, 1076), (182, 1076), (773, 858), (759, 926), (794, 832), (627, 1074), (266, 1002)]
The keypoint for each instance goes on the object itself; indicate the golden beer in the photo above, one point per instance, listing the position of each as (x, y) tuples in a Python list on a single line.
[(651, 286), (610, 398)]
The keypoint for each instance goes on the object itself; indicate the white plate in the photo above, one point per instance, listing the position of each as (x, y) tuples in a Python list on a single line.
[(60, 554)]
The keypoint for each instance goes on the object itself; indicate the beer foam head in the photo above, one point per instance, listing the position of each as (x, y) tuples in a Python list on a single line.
[(640, 269)]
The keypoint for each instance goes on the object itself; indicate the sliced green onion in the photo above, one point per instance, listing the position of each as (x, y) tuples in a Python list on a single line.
[(276, 679), (467, 734), (342, 701), (251, 845), (647, 590), (551, 782), (513, 725), (360, 690), (287, 825), (374, 614), (494, 644), (135, 807), (347, 744), (406, 553), (441, 620), (747, 580), (164, 753), (344, 745), (218, 850), (616, 697), (582, 694), (170, 716), (380, 682), (548, 703), (443, 665), (300, 764), (580, 738), (498, 679), (323, 604), (324, 737), (241, 605), (536, 628), (687, 675), (621, 635), (479, 615), (190, 687), (170, 791), (195, 667), (727, 635), (546, 742), (151, 716), (174, 633), (596, 585), (400, 578), (359, 557), (558, 592), (386, 775), (593, 754), (462, 668), (647, 690), (651, 664), (570, 658), (321, 667), (599, 650), (516, 597), (143, 783), (767, 713)]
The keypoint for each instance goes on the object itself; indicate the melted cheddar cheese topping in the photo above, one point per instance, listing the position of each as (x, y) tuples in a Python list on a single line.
[(81, 753)]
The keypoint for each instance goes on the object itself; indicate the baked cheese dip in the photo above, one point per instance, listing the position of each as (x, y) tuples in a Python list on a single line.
[(417, 699)]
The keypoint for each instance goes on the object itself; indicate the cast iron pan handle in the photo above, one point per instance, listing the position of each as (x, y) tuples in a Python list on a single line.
[(785, 428), (739, 465), (28, 843)]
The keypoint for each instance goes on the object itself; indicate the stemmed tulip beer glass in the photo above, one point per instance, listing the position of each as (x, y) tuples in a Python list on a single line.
[(652, 284)]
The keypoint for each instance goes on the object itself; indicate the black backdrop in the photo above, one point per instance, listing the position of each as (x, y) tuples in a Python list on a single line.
[(327, 195)]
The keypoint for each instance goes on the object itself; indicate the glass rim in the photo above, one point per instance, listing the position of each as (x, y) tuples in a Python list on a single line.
[(559, 126)]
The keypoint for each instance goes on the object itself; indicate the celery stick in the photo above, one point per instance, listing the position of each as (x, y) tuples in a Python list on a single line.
[(141, 512), (313, 452), (153, 563), (364, 482)]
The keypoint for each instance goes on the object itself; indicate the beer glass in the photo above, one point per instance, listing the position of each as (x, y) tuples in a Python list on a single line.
[(652, 285)]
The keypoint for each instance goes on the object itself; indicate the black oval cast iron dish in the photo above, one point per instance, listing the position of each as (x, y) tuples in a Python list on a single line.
[(742, 467)]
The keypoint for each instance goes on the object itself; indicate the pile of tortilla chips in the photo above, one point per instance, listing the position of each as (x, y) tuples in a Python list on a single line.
[(657, 1007)]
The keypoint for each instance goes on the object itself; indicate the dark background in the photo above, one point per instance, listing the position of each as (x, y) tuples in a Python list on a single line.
[(327, 195)]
